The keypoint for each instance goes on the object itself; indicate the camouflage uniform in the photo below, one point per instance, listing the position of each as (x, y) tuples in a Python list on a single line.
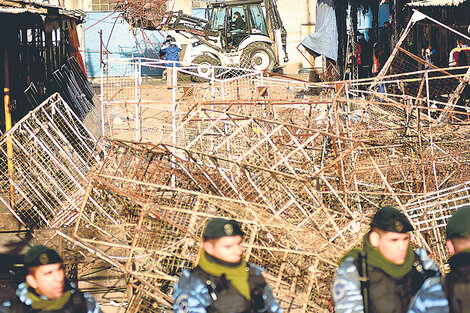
[(366, 277), (347, 294), (192, 295), (217, 285), (78, 303), (450, 294), (430, 298)]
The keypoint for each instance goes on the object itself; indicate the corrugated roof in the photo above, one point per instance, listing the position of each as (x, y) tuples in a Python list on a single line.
[(435, 3), (13, 10), (27, 4), (37, 7)]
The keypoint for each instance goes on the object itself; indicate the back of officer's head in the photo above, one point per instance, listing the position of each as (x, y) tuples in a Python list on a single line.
[(389, 234), (222, 239), (458, 230)]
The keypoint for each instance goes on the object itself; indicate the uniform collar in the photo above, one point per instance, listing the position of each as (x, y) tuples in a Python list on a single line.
[(460, 259)]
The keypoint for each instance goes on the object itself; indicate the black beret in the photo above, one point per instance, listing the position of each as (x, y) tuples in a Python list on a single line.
[(458, 225), (391, 219), (41, 255), (221, 227)]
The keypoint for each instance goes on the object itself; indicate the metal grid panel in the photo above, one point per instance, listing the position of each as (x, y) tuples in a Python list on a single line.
[(165, 227), (51, 150), (430, 213)]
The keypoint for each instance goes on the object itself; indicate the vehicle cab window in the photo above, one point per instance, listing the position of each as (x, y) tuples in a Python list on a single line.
[(238, 22), (258, 26), (218, 18)]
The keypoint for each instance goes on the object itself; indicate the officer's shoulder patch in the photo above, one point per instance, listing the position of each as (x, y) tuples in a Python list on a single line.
[(346, 267), (182, 303), (339, 289)]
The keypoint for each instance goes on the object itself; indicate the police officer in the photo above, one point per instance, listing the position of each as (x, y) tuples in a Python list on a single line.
[(383, 276), (222, 281), (46, 289), (452, 293), (172, 54)]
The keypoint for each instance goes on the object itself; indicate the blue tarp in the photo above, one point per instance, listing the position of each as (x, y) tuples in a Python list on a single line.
[(120, 42), (364, 19), (325, 39)]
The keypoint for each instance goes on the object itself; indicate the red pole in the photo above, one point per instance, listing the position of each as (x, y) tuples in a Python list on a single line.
[(101, 48)]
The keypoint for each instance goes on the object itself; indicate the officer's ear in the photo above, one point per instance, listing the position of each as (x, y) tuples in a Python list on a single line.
[(450, 246), (374, 238), (31, 281), (208, 246)]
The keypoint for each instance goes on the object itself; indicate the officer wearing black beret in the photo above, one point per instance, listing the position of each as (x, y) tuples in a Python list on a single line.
[(384, 274), (450, 294), (221, 227), (222, 281), (46, 289)]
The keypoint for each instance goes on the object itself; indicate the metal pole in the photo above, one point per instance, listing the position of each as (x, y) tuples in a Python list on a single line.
[(395, 24), (138, 134), (102, 83), (6, 101), (427, 91), (212, 69), (174, 72), (443, 25), (101, 47)]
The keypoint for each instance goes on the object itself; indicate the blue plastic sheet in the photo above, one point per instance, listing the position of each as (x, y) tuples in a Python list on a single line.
[(325, 39)]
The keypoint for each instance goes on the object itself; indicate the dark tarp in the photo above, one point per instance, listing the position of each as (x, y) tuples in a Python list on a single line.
[(325, 39)]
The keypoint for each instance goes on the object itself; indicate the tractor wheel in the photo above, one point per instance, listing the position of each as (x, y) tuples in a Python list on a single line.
[(203, 72), (258, 56)]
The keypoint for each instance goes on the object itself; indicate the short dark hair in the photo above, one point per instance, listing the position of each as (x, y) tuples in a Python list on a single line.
[(211, 240), (377, 230), (32, 270)]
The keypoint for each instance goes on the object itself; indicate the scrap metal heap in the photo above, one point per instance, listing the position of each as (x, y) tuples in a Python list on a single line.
[(303, 167), (146, 14), (304, 190)]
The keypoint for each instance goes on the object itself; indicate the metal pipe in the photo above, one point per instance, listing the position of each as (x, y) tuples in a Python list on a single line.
[(103, 133), (6, 101)]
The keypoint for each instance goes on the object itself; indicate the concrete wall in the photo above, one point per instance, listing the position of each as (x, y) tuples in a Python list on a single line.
[(185, 5), (299, 18)]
